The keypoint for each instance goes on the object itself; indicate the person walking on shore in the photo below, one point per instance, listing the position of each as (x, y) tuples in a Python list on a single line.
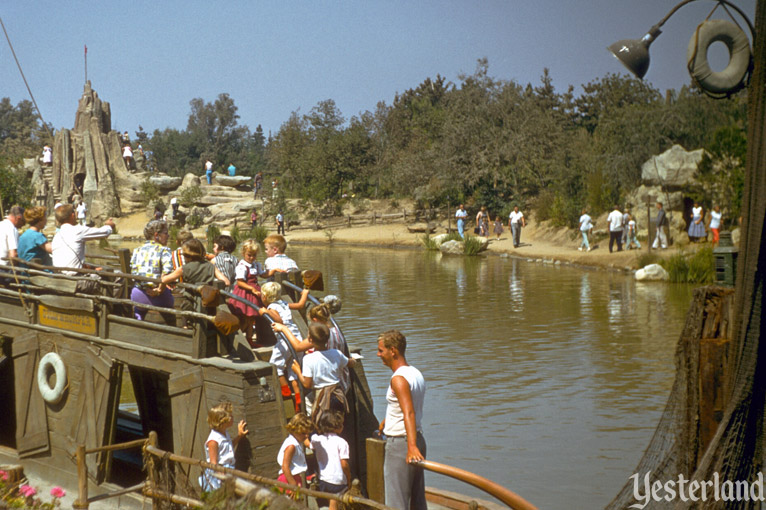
[(715, 224), (586, 223), (461, 215), (662, 220), (209, 171), (280, 223), (632, 230), (515, 222), (402, 426), (615, 228), (482, 221), (625, 220)]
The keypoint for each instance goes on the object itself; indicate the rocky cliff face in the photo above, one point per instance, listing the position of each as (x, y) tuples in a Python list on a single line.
[(87, 162)]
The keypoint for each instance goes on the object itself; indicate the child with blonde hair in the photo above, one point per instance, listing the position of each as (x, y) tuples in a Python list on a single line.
[(280, 312), (275, 252), (292, 456), (246, 277), (219, 446)]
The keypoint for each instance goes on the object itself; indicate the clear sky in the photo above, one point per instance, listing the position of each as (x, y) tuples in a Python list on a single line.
[(148, 59)]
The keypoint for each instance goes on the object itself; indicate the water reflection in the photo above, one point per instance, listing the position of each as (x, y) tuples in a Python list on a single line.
[(535, 373)]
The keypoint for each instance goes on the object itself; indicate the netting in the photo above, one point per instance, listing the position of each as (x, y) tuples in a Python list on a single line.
[(735, 453)]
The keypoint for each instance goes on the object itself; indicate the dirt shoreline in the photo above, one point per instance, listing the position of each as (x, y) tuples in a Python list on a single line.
[(538, 242)]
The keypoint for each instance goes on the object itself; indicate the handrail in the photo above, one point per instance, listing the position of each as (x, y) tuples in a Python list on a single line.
[(345, 498), (289, 344), (316, 301), (83, 501), (507, 496)]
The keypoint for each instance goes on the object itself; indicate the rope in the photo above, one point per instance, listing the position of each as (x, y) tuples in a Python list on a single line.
[(25, 79)]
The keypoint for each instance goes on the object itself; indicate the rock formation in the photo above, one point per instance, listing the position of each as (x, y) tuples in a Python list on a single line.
[(668, 178), (87, 163)]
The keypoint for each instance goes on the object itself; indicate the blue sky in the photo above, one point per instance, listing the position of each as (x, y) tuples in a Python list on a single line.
[(149, 59)]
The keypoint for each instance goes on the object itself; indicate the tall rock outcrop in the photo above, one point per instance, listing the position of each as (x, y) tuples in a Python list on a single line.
[(87, 161)]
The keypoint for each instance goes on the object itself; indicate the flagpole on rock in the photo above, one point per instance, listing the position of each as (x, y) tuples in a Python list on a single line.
[(86, 63)]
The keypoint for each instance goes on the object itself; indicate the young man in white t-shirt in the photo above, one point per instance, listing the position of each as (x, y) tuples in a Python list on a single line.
[(9, 233), (515, 222), (615, 228)]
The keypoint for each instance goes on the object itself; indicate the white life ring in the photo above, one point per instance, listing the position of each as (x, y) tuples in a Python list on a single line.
[(730, 79), (54, 361)]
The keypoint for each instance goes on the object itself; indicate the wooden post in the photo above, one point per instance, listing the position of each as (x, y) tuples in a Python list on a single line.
[(376, 454), (349, 221), (124, 257), (151, 468), (713, 373), (199, 339), (82, 479)]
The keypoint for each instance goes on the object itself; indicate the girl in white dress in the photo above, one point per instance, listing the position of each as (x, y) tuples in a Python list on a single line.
[(219, 446)]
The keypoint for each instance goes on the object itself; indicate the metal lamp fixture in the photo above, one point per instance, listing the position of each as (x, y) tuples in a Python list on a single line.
[(634, 53)]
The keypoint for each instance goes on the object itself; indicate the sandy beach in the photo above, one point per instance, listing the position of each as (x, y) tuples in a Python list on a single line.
[(539, 242)]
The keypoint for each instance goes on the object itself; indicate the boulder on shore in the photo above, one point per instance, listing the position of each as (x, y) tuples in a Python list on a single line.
[(652, 272), (231, 181), (165, 182)]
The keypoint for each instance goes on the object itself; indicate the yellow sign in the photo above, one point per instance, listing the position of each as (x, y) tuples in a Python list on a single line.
[(77, 322)]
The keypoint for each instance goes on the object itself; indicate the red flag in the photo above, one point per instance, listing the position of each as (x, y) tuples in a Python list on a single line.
[(86, 49)]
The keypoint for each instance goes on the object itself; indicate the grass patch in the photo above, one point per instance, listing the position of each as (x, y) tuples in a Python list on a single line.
[(697, 267), (429, 243), (453, 236), (646, 258), (472, 246)]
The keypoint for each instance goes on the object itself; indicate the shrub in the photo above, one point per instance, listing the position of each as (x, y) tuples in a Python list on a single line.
[(190, 196), (698, 267), (212, 232), (149, 192), (472, 246), (194, 220), (453, 236), (173, 235), (429, 243), (259, 233)]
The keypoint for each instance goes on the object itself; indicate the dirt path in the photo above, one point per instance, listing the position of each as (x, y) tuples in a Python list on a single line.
[(538, 242)]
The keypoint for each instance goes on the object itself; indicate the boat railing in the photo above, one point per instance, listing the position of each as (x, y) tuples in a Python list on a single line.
[(235, 482), (376, 486), (34, 285), (83, 500), (495, 490), (279, 336)]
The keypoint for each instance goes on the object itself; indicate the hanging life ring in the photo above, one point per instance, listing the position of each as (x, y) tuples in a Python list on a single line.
[(51, 361), (730, 79)]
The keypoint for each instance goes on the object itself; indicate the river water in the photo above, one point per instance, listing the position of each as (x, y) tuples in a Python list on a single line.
[(548, 380)]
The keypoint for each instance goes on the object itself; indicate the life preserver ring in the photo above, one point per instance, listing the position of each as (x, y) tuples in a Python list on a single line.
[(54, 361), (730, 79)]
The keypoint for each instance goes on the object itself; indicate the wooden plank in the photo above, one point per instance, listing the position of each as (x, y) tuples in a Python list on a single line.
[(67, 303), (376, 453), (189, 409), (59, 284), (713, 374), (31, 417), (180, 343)]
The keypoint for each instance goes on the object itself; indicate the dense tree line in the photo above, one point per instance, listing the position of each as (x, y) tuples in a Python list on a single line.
[(482, 141)]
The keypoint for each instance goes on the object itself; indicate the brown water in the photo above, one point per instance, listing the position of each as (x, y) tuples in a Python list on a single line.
[(548, 380)]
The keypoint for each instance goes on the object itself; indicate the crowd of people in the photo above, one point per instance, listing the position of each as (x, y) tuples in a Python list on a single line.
[(516, 221), (321, 371), (622, 226)]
